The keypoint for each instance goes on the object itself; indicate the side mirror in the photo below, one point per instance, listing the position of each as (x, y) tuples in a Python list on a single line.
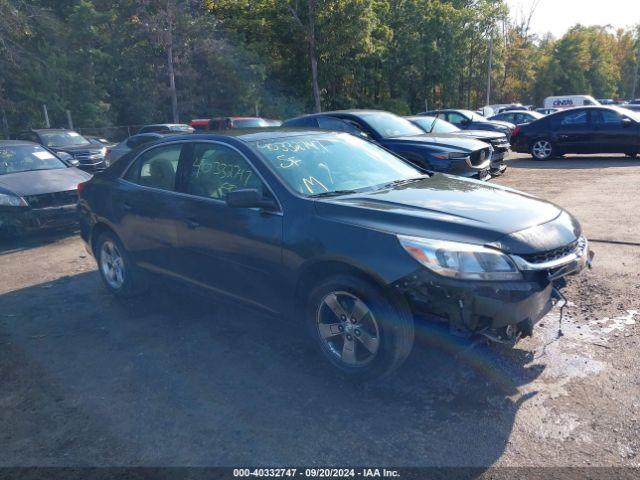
[(249, 198), (627, 122)]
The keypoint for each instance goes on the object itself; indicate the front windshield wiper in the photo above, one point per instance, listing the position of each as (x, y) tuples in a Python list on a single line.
[(433, 124), (333, 193), (404, 181)]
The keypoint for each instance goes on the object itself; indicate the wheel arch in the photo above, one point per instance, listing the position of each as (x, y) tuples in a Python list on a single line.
[(320, 270), (98, 229)]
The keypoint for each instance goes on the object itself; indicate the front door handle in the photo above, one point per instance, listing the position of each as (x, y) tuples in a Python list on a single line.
[(127, 206), (192, 224)]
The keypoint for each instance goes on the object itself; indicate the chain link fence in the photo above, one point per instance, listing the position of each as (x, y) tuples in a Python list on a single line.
[(114, 134)]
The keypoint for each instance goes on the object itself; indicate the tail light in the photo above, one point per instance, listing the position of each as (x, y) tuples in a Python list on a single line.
[(515, 131), (81, 187)]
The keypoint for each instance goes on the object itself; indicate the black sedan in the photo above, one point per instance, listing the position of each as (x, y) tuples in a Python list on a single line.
[(458, 156), (37, 190), (334, 233), (442, 129), (90, 155), (519, 117), (468, 120), (595, 129)]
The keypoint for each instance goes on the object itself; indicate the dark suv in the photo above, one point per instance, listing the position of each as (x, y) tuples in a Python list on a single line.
[(89, 156), (335, 234)]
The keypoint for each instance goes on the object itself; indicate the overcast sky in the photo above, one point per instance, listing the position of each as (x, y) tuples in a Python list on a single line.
[(557, 16)]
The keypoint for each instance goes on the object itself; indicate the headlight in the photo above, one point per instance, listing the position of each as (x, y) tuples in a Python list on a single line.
[(452, 156), (11, 201), (461, 260)]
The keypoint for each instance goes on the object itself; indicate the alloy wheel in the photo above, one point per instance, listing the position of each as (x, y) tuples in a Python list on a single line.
[(112, 264), (347, 329), (542, 149)]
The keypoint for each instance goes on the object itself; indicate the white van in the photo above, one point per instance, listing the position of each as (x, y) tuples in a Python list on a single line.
[(569, 101)]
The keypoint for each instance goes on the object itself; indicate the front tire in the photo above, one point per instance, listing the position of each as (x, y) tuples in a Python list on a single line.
[(357, 328), (118, 272), (542, 149)]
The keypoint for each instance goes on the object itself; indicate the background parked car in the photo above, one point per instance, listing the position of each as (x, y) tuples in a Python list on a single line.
[(218, 124), (580, 130), (468, 120), (37, 189), (100, 141), (547, 111), (441, 128), (90, 156), (517, 117), (134, 141), (456, 155), (167, 128)]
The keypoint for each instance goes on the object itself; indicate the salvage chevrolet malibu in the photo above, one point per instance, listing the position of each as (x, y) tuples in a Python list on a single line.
[(334, 233)]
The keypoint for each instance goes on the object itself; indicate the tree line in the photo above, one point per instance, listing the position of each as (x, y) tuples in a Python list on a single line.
[(131, 62)]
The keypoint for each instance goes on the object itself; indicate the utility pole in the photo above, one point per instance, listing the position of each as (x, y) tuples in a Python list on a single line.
[(46, 116), (635, 75), (69, 121), (489, 70)]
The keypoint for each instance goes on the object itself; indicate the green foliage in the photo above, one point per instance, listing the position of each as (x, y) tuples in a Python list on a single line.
[(107, 62)]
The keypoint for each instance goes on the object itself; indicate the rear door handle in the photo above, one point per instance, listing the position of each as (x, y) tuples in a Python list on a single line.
[(127, 206), (192, 224)]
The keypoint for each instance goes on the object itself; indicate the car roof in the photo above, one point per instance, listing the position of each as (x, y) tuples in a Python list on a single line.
[(252, 134)]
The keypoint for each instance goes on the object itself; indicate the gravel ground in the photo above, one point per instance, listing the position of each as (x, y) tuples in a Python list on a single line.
[(173, 379)]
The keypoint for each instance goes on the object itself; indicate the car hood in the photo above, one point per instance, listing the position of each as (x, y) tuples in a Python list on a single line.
[(481, 134), (88, 147), (43, 181), (451, 208), (500, 123), (454, 142)]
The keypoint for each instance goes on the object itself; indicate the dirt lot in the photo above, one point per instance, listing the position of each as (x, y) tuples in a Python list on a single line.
[(171, 379)]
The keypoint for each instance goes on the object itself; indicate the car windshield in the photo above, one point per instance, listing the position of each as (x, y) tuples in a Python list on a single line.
[(535, 115), (180, 128), (388, 125), (63, 139), (250, 123), (473, 116), (435, 125), (325, 164), (25, 158)]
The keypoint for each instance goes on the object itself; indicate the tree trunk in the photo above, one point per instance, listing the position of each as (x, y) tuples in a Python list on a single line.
[(312, 55)]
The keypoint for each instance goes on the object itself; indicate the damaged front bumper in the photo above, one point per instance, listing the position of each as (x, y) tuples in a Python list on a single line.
[(500, 310), (20, 220)]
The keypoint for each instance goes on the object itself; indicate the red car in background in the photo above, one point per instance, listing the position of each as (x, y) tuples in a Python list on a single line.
[(225, 123)]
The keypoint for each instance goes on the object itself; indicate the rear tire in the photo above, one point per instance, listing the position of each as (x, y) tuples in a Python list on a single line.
[(542, 149), (357, 328), (118, 272)]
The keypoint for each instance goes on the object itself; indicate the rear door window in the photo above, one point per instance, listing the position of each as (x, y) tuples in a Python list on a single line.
[(156, 168), (606, 118), (577, 118)]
